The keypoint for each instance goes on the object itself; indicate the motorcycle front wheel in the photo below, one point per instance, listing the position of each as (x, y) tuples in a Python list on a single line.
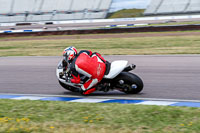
[(69, 88), (129, 83)]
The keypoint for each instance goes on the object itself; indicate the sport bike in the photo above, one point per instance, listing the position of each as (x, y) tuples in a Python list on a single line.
[(117, 77)]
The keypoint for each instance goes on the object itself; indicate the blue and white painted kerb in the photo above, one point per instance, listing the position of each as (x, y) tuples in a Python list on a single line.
[(124, 25), (19, 31), (93, 100)]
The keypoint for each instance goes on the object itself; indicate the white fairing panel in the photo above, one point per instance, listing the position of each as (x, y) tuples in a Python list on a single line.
[(59, 69), (57, 72), (116, 68)]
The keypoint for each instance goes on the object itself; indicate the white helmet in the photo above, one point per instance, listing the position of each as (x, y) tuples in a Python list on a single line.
[(69, 53)]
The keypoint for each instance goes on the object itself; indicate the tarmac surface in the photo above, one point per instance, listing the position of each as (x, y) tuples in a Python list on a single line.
[(70, 26), (100, 36), (164, 76)]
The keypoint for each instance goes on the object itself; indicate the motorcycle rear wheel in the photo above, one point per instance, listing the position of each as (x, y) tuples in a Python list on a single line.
[(130, 83)]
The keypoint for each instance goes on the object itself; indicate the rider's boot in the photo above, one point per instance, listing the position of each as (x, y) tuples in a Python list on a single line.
[(89, 91)]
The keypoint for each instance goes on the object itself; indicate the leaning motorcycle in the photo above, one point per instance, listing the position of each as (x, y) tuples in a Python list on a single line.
[(118, 77)]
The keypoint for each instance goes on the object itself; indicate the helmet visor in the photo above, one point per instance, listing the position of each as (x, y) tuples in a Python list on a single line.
[(68, 56), (65, 58)]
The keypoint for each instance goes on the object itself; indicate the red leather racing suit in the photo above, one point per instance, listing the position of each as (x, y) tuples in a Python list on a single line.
[(91, 65)]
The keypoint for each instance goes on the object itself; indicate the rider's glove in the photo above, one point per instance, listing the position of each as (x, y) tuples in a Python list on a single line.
[(75, 79)]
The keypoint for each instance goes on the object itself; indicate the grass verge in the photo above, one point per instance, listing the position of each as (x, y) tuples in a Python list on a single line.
[(24, 116), (107, 46), (126, 13), (176, 23)]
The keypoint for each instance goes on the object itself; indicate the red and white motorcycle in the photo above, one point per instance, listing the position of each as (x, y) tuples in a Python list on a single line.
[(118, 77)]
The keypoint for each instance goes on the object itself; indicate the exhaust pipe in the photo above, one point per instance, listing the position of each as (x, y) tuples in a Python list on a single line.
[(129, 68)]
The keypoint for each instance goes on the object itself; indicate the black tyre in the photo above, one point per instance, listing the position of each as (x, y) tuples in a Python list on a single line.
[(128, 83), (69, 88)]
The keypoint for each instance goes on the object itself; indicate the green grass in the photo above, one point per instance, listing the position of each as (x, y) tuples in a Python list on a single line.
[(107, 46), (176, 23), (126, 13), (24, 116), (132, 13)]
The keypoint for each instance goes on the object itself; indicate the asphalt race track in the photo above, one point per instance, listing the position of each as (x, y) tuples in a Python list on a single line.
[(165, 77), (72, 26)]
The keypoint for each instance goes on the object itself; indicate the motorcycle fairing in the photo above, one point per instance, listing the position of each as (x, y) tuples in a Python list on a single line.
[(115, 68)]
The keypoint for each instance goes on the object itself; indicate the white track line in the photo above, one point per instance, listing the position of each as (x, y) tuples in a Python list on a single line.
[(164, 103), (28, 98), (89, 100)]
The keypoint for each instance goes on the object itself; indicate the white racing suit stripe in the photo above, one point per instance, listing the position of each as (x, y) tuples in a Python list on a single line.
[(86, 87), (82, 71)]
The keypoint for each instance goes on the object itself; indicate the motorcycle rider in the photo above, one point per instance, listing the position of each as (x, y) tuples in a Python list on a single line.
[(89, 64)]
